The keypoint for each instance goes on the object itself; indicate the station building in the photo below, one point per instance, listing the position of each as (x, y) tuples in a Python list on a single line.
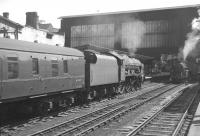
[(146, 32)]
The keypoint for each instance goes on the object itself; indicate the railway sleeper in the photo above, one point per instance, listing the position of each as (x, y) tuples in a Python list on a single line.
[(157, 128), (170, 114), (155, 132), (168, 119), (161, 124)]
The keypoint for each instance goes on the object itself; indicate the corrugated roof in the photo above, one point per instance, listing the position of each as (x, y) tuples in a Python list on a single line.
[(130, 11), (10, 44)]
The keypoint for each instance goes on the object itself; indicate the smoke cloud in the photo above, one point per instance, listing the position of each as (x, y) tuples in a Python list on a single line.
[(132, 34), (191, 46)]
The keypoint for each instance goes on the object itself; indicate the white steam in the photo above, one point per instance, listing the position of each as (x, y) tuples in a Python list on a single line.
[(191, 44), (132, 34)]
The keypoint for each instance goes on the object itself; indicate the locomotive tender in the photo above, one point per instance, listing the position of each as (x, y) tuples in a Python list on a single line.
[(43, 77)]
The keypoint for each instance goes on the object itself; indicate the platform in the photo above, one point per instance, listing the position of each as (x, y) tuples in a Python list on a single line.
[(194, 129)]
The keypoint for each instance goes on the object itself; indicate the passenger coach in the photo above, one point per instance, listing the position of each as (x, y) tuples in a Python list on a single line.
[(30, 70)]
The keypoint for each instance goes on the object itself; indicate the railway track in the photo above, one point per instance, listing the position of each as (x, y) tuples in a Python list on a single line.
[(121, 96), (86, 123), (168, 119), (19, 125), (22, 121)]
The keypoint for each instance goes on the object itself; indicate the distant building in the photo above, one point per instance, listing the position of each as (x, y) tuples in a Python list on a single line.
[(48, 27), (41, 36), (149, 32), (9, 28), (33, 31), (40, 33)]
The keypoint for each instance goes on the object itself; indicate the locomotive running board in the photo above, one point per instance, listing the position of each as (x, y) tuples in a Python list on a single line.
[(69, 91), (38, 96)]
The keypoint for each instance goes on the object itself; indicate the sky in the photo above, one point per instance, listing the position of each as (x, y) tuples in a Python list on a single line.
[(51, 10)]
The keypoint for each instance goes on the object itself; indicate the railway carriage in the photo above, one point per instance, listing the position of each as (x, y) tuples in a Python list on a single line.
[(30, 71)]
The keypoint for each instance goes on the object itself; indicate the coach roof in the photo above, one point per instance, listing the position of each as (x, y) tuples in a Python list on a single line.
[(17, 45)]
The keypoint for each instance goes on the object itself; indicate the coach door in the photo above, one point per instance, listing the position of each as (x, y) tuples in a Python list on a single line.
[(37, 79)]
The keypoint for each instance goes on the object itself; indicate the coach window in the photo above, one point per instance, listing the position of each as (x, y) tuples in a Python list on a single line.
[(65, 66), (35, 66), (13, 67), (54, 65)]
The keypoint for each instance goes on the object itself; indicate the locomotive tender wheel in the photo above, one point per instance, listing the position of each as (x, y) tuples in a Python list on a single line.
[(43, 108), (81, 98), (102, 93), (119, 89), (89, 96)]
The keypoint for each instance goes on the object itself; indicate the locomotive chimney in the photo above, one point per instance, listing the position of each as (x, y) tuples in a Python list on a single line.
[(32, 19), (6, 15)]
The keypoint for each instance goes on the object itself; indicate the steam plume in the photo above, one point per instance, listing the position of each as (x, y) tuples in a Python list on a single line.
[(190, 45), (132, 34), (192, 42)]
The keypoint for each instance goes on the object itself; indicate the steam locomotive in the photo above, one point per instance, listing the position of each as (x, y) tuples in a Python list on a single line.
[(38, 77), (184, 71)]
